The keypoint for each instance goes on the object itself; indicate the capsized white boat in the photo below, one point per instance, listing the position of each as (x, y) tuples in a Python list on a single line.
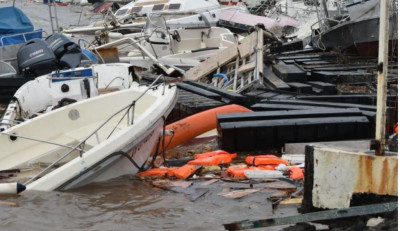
[(54, 90), (89, 141)]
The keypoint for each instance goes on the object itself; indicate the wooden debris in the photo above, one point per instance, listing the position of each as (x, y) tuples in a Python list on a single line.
[(246, 68), (225, 190), (182, 184), (12, 204), (277, 185), (196, 193), (212, 181), (238, 193), (275, 194), (246, 47), (291, 201), (237, 185)]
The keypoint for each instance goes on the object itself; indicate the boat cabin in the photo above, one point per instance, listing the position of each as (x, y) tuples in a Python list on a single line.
[(142, 8)]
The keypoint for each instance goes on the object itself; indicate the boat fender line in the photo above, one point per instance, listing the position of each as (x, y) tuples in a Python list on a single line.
[(222, 75), (125, 155), (144, 167), (11, 188)]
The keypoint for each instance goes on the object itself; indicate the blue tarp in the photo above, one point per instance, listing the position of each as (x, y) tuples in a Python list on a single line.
[(13, 21)]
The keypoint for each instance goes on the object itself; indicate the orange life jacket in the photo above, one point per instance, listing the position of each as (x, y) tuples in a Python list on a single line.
[(265, 160)]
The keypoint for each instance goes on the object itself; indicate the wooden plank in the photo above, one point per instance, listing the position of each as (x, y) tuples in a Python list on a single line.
[(208, 66), (238, 193), (246, 67), (246, 47), (226, 55), (237, 185), (12, 204), (291, 201), (201, 70), (182, 184), (197, 193), (212, 181)]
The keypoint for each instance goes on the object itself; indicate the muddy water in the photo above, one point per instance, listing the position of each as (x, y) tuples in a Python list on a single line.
[(127, 204)]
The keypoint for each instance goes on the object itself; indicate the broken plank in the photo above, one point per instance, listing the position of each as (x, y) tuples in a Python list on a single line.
[(291, 201), (212, 181), (246, 47), (276, 185), (247, 67), (197, 193), (182, 184), (238, 193), (225, 56), (237, 185), (203, 69), (13, 204), (315, 216)]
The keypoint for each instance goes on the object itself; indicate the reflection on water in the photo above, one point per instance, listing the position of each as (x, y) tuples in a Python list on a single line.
[(126, 204)]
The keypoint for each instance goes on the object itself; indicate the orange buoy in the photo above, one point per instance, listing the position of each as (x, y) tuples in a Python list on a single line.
[(213, 153), (265, 160), (214, 160), (159, 172), (185, 171), (197, 124)]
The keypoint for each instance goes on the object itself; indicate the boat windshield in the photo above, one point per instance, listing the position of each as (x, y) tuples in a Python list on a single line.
[(155, 22)]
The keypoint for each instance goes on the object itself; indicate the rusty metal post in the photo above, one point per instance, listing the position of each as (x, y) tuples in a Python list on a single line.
[(382, 76)]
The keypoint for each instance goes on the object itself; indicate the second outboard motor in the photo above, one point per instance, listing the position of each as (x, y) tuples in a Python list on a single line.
[(35, 58), (67, 52)]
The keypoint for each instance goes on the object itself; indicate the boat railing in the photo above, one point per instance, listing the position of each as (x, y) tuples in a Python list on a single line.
[(14, 136), (158, 28), (81, 145), (144, 51), (91, 46)]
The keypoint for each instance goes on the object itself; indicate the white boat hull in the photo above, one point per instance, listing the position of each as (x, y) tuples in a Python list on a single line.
[(71, 125)]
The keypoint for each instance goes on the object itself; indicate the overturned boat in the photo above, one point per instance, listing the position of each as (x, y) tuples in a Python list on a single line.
[(89, 141)]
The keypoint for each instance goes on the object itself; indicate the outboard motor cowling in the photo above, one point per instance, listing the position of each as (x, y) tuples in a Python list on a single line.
[(35, 58), (67, 52)]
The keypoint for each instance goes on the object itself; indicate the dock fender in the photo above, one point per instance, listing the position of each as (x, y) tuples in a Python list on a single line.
[(197, 124), (11, 188)]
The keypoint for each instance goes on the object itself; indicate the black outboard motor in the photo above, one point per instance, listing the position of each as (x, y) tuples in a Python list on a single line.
[(67, 52), (35, 58)]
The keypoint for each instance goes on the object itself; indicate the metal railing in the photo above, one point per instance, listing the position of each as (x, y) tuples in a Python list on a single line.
[(2, 43)]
